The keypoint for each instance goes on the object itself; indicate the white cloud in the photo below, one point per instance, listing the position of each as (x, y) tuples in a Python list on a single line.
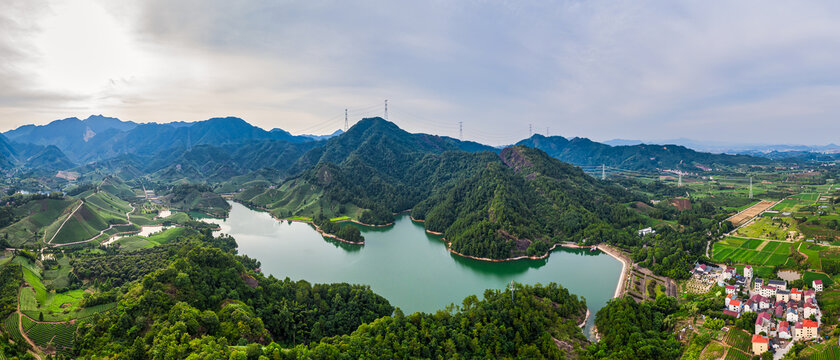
[(648, 69)]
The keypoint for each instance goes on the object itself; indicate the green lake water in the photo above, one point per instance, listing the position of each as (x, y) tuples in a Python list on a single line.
[(409, 267)]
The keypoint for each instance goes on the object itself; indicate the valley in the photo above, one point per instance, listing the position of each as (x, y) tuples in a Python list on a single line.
[(270, 232)]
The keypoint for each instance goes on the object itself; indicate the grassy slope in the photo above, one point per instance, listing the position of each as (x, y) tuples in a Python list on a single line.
[(37, 217)]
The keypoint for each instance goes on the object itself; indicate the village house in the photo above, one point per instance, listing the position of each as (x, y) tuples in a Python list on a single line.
[(778, 284), (748, 271), (763, 323), (782, 295), (818, 285), (731, 289), (767, 291), (646, 231), (758, 283), (760, 344), (796, 295), (735, 305), (784, 330), (805, 330), (791, 315)]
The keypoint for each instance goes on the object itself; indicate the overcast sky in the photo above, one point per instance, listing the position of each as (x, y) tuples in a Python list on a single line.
[(741, 71)]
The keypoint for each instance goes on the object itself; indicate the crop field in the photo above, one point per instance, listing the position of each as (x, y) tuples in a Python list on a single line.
[(58, 278), (787, 205), (830, 352), (812, 251), (810, 276), (768, 228), (10, 326), (713, 351), (28, 302), (109, 203), (133, 243), (35, 217), (738, 339), (751, 212), (60, 334), (751, 251), (733, 354), (57, 306), (759, 271), (34, 280), (84, 224)]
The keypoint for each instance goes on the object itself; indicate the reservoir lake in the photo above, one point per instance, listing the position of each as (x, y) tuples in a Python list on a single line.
[(409, 267)]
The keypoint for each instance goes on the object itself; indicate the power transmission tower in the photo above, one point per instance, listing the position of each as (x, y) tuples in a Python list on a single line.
[(679, 183), (460, 130), (603, 171), (546, 132), (346, 123), (530, 130), (751, 187), (386, 109)]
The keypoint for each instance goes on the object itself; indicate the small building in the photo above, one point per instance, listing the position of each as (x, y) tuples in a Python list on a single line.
[(778, 284), (731, 313), (760, 344), (763, 323), (731, 289), (646, 231), (796, 294), (767, 291), (784, 330), (748, 271), (808, 294), (818, 286), (759, 282), (782, 295), (735, 305), (809, 310), (791, 315), (805, 330)]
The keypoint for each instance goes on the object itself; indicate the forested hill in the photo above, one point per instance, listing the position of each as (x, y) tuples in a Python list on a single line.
[(519, 202), (370, 137), (200, 300), (99, 138), (522, 204), (585, 152)]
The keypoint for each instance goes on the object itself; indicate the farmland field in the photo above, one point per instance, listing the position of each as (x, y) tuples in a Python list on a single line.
[(713, 352), (746, 251), (830, 352), (10, 326), (810, 276), (738, 339), (59, 334), (733, 354)]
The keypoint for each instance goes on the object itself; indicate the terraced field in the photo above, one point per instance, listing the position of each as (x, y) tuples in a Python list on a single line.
[(10, 326), (738, 339), (751, 251), (734, 354), (60, 335)]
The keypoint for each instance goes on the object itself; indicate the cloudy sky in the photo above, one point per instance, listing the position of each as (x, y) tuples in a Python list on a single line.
[(745, 71)]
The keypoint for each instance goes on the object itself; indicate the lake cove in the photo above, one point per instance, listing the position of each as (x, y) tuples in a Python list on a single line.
[(409, 267)]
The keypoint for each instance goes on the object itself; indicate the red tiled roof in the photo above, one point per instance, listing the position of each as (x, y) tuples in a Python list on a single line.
[(809, 323), (760, 339)]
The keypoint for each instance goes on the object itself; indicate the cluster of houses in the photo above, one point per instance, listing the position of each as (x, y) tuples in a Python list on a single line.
[(784, 314)]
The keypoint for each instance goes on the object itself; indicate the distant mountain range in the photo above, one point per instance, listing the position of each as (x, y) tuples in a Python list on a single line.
[(735, 148), (220, 148), (585, 152)]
